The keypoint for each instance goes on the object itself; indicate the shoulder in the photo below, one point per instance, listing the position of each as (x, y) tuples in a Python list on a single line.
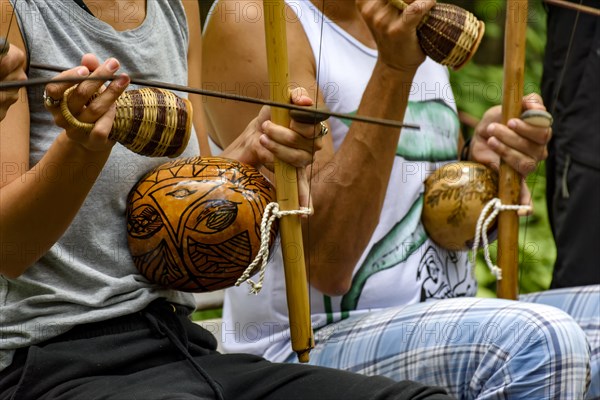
[(234, 43), (238, 21), (242, 21), (191, 8)]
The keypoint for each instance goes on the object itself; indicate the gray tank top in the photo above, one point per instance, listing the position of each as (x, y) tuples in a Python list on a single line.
[(88, 275)]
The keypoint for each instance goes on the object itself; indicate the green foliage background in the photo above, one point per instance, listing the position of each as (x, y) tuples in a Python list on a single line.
[(477, 87)]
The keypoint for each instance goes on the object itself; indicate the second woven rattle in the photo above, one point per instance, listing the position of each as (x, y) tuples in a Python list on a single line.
[(149, 121), (448, 34)]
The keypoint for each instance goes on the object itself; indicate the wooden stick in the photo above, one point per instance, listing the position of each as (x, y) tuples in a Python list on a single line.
[(574, 6), (287, 187), (510, 180), (298, 113)]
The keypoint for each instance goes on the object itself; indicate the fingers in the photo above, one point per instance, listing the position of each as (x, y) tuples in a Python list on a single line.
[(525, 200), (90, 99), (89, 102), (521, 143), (299, 96), (304, 199), (98, 137), (533, 101), (415, 12), (539, 135), (87, 89), (515, 149), (295, 147), (12, 68), (12, 64), (535, 121), (56, 91), (395, 31), (90, 61), (301, 126), (385, 17)]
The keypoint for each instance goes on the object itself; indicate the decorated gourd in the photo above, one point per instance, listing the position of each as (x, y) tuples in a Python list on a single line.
[(193, 224), (455, 195)]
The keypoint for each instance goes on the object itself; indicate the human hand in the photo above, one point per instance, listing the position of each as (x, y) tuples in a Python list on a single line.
[(520, 144), (263, 142), (395, 31), (90, 102), (12, 68)]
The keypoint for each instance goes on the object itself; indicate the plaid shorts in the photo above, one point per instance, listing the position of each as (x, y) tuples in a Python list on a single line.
[(535, 348)]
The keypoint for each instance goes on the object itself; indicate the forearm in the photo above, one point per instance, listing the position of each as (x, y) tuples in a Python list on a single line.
[(38, 206), (357, 175)]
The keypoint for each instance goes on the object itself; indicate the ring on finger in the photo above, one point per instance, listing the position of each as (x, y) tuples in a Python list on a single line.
[(324, 130), (49, 101)]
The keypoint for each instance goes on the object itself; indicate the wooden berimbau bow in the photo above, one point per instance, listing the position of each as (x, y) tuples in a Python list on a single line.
[(510, 180), (301, 332)]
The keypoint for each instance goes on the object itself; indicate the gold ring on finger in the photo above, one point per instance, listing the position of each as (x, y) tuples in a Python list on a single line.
[(324, 130), (49, 101)]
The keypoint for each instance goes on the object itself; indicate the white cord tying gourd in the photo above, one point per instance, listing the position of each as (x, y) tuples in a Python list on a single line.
[(271, 212), (483, 223)]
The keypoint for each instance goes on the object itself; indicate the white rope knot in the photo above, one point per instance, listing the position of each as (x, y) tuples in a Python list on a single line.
[(483, 223), (271, 212)]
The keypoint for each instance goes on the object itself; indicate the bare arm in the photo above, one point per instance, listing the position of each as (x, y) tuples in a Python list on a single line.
[(195, 72), (355, 193), (12, 68), (36, 209)]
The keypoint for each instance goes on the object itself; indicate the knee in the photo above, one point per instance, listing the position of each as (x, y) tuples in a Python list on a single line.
[(544, 337), (548, 327), (540, 346)]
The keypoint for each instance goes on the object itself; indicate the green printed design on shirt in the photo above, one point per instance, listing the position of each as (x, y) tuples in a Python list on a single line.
[(437, 138), (435, 141), (394, 248)]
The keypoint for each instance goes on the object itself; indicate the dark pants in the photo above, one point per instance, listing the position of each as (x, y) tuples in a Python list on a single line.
[(573, 194), (160, 354)]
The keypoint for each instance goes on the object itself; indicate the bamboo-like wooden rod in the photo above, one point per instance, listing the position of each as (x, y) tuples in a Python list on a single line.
[(574, 6), (510, 180), (287, 187)]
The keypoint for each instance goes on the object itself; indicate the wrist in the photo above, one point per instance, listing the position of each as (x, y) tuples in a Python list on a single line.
[(78, 151), (398, 74), (241, 149)]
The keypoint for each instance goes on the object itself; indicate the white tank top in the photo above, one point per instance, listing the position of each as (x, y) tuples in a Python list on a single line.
[(400, 265)]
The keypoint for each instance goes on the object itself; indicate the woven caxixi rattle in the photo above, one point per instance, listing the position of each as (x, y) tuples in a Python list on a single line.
[(448, 34), (151, 122)]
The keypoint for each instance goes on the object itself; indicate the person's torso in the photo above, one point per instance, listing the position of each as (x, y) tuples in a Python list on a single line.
[(400, 265), (88, 275)]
